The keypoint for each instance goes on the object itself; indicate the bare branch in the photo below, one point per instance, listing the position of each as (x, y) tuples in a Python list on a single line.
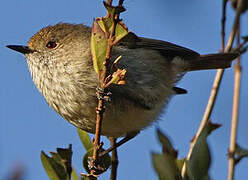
[(215, 88), (103, 80), (223, 24), (235, 110)]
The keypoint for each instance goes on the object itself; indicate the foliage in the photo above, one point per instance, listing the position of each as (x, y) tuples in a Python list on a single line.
[(169, 167), (59, 166)]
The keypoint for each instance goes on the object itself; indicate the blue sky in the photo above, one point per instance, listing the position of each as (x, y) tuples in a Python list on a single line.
[(28, 125)]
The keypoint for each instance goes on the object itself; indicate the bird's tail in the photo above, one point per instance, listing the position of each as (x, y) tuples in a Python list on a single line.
[(212, 61)]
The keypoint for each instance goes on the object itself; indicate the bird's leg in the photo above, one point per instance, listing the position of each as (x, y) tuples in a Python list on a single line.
[(122, 141)]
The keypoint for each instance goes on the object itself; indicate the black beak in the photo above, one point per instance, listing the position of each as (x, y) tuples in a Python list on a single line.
[(21, 49)]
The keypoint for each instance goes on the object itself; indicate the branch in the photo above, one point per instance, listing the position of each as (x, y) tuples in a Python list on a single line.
[(215, 88), (104, 81), (223, 24), (234, 122), (235, 110)]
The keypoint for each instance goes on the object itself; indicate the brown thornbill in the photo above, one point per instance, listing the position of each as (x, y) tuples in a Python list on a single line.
[(59, 61)]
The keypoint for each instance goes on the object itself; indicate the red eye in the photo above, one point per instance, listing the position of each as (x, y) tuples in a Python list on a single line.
[(51, 44)]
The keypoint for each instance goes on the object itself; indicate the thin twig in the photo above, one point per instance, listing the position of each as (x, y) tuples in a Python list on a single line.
[(99, 117), (122, 141), (215, 89), (114, 159), (110, 2), (121, 2), (223, 24), (240, 47), (103, 81), (235, 113), (234, 123)]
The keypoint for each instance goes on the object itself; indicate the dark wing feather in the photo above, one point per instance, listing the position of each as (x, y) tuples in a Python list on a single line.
[(165, 48)]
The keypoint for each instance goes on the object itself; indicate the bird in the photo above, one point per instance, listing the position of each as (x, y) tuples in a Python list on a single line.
[(60, 63)]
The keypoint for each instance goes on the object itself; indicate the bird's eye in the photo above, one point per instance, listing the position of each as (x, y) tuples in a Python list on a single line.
[(51, 44)]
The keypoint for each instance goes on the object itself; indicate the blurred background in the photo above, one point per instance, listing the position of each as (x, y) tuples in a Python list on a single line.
[(28, 125)]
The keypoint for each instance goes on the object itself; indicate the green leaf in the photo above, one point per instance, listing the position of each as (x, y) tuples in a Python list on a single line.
[(88, 154), (66, 154), (106, 25), (101, 29), (179, 163), (56, 157), (74, 175), (198, 165), (85, 139), (104, 161), (165, 166), (98, 46), (167, 146), (58, 166), (85, 178), (240, 153), (120, 32), (54, 170)]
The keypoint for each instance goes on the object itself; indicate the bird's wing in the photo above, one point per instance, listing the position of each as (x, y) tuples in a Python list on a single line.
[(165, 48)]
